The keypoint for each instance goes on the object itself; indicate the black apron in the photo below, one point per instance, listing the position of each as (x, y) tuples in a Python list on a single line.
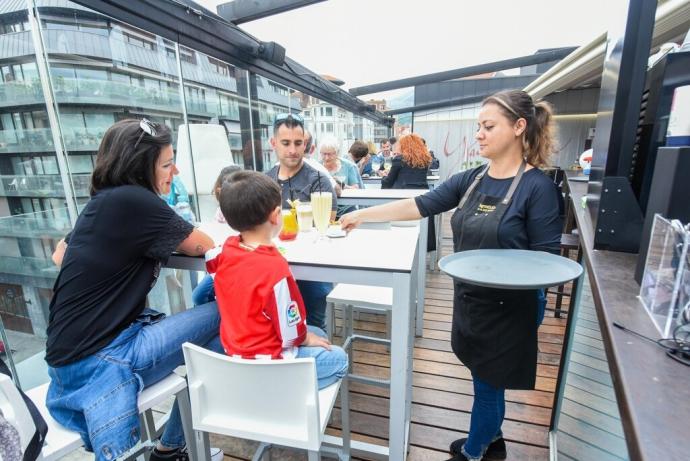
[(494, 331)]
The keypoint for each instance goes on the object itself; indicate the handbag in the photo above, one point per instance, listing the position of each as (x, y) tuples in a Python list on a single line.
[(33, 450)]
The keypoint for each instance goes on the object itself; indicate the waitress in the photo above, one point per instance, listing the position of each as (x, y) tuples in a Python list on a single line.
[(508, 203)]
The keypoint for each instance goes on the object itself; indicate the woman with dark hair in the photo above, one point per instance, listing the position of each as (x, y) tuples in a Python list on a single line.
[(508, 203), (104, 346)]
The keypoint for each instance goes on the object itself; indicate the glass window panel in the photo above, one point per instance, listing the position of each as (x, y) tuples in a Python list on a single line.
[(214, 138)]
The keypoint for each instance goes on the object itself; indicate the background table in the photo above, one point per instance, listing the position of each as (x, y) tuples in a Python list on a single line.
[(374, 182), (357, 259)]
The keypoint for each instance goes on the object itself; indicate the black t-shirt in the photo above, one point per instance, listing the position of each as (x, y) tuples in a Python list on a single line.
[(531, 222), (112, 260), (404, 176)]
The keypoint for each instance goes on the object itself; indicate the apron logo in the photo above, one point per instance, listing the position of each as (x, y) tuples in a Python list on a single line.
[(486, 208), (293, 317)]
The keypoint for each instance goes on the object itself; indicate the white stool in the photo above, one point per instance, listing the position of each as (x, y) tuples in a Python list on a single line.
[(359, 298), (61, 441)]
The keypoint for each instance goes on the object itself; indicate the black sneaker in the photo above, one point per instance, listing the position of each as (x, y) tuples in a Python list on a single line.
[(495, 451), (178, 454), (181, 454)]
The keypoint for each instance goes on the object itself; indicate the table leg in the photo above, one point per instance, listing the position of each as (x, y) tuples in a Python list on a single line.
[(421, 274), (401, 342)]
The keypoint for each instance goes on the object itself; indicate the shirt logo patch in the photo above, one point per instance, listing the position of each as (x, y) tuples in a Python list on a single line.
[(293, 317)]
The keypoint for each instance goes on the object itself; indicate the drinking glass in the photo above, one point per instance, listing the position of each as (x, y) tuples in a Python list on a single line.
[(289, 229), (304, 217), (387, 164), (321, 210), (375, 165)]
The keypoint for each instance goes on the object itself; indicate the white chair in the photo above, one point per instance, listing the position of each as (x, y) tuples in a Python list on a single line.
[(60, 441), (355, 299), (276, 402)]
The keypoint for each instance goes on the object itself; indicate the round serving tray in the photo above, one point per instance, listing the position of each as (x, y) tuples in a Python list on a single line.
[(510, 269)]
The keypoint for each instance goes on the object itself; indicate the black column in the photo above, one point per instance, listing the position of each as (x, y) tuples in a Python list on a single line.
[(249, 121)]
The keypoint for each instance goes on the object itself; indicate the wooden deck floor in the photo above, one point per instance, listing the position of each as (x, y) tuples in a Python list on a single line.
[(442, 393)]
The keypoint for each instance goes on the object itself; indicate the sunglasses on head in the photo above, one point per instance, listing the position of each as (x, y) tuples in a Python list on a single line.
[(147, 127), (282, 118)]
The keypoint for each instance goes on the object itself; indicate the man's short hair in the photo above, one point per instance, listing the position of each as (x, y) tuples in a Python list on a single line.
[(392, 140), (383, 141), (289, 120), (249, 199)]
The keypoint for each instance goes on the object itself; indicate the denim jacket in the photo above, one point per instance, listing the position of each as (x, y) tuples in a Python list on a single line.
[(97, 395)]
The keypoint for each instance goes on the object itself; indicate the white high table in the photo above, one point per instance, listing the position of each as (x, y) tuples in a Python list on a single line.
[(370, 197), (357, 259), (374, 182)]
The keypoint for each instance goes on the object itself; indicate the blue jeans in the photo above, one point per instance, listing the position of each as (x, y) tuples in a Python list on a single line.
[(488, 411), (97, 395), (331, 365), (204, 292), (314, 296)]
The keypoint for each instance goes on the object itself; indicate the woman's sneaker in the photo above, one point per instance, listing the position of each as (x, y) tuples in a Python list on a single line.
[(181, 454), (495, 451)]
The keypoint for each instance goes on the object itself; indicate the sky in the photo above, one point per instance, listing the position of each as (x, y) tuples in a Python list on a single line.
[(371, 41)]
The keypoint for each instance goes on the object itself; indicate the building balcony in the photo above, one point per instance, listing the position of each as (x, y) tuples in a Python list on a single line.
[(47, 185), (41, 140), (32, 267), (112, 93), (47, 224)]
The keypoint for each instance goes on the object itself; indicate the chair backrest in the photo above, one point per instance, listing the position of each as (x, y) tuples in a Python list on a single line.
[(272, 401), (15, 411)]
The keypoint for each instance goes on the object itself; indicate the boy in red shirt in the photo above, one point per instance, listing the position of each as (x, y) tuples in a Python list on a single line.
[(262, 314)]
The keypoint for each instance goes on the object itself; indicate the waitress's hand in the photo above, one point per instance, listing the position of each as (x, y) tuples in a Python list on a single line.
[(350, 220)]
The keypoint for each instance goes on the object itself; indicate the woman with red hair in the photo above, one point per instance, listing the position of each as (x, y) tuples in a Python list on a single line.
[(411, 161), (410, 164)]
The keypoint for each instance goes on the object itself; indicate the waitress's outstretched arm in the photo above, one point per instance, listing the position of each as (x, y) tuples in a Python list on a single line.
[(400, 210)]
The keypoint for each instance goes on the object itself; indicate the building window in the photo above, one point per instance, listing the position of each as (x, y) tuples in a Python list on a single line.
[(187, 55), (329, 128), (139, 41), (329, 112), (18, 26), (279, 89), (221, 68)]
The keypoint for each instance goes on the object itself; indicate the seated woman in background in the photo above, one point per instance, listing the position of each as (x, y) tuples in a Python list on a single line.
[(411, 161), (344, 171), (359, 154), (410, 164)]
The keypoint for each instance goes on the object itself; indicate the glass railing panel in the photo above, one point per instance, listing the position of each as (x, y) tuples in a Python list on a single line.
[(42, 185)]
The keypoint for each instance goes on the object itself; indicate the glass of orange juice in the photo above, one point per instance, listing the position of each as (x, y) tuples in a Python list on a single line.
[(289, 230)]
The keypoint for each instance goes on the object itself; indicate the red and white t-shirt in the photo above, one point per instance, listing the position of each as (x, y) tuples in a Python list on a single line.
[(262, 314)]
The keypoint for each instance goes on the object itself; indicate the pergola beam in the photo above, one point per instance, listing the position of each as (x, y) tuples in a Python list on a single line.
[(538, 58), (241, 11)]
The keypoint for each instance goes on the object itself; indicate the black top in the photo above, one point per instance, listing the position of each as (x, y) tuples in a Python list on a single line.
[(532, 220), (404, 176), (112, 260), (302, 184)]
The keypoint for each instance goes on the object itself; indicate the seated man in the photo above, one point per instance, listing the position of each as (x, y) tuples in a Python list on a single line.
[(298, 180), (261, 309)]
